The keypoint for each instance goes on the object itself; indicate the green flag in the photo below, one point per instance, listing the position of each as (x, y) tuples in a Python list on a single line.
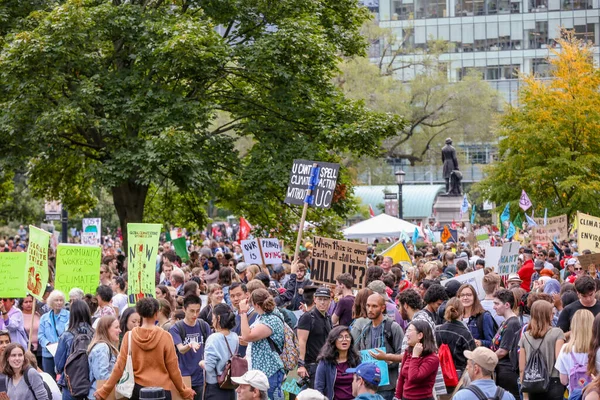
[(518, 222), (142, 242), (181, 248), (37, 262)]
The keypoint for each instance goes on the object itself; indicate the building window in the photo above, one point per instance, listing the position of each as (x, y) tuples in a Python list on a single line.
[(586, 32), (403, 9), (541, 67), (538, 37)]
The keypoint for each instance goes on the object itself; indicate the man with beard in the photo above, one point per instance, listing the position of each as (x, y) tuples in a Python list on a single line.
[(292, 297)]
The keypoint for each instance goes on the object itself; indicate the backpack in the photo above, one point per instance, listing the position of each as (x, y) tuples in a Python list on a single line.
[(479, 322), (387, 331), (448, 367), (28, 383), (77, 370), (291, 349), (578, 379), (535, 376), (481, 396)]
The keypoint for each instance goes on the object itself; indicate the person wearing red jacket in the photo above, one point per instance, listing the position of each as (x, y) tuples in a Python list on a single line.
[(419, 364), (526, 270)]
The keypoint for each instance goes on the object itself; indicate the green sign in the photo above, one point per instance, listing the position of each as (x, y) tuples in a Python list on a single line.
[(77, 266), (142, 242), (14, 274), (37, 262), (181, 248)]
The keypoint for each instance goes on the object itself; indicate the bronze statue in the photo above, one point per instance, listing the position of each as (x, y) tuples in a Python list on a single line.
[(452, 175)]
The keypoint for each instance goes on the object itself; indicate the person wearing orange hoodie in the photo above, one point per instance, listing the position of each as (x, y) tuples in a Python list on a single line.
[(153, 355)]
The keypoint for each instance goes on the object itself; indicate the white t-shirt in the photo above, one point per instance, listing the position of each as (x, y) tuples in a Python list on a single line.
[(119, 300), (56, 395), (564, 362)]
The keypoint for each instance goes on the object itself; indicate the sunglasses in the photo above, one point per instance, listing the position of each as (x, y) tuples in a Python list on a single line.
[(578, 269), (6, 299)]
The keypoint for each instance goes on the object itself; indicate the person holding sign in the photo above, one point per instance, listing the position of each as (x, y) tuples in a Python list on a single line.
[(292, 297)]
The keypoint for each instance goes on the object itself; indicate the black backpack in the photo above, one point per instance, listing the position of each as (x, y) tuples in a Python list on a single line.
[(77, 369), (26, 378), (535, 377), (481, 396)]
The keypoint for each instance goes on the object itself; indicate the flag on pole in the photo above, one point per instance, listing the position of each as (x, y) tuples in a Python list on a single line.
[(446, 235), (545, 216), (404, 237), (518, 221), (473, 214), (398, 252), (245, 229), (415, 236), (530, 220), (465, 205), (511, 231), (524, 202), (371, 212), (506, 213)]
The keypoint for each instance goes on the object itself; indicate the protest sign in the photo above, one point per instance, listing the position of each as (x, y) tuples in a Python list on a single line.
[(588, 259), (251, 251), (482, 235), (180, 247), (77, 266), (333, 257), (366, 357), (588, 233), (91, 232), (271, 250), (555, 229), (289, 385), (508, 259), (37, 262), (492, 256), (14, 275), (300, 181), (142, 242), (474, 279)]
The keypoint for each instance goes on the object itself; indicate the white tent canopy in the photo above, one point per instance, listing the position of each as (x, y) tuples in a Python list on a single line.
[(382, 225)]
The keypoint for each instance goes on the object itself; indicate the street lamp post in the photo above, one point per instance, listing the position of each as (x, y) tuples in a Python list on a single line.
[(400, 174)]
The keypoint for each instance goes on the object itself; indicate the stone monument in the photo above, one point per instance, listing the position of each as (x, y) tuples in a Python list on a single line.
[(447, 206)]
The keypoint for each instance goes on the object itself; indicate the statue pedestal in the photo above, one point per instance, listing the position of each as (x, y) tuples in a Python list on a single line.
[(447, 208)]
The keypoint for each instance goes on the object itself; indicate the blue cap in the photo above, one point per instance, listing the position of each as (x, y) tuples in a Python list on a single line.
[(370, 372)]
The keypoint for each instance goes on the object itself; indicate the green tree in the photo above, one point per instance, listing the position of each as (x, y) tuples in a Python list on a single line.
[(125, 94), (550, 143)]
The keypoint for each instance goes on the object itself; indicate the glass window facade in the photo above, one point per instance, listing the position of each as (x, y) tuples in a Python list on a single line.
[(495, 38)]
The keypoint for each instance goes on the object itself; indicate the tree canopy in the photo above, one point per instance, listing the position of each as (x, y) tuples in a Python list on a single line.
[(550, 141), (127, 94)]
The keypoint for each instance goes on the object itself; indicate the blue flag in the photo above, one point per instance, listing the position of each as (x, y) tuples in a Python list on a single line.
[(506, 213), (473, 214), (403, 237), (511, 231), (415, 236), (465, 205), (530, 221)]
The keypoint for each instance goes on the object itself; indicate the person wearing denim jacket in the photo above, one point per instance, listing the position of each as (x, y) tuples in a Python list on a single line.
[(52, 325), (101, 361)]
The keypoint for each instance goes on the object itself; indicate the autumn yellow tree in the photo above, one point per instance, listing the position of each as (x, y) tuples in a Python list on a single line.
[(550, 141)]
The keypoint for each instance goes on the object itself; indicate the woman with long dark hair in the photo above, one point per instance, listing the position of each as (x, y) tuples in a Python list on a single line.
[(215, 296), (337, 355), (479, 321), (419, 364), (129, 320), (359, 312), (212, 274), (162, 292), (219, 349), (80, 323), (594, 355)]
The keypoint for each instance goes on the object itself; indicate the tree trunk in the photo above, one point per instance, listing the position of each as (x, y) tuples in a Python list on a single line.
[(129, 199)]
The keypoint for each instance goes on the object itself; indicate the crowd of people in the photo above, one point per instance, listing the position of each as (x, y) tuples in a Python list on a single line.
[(409, 331)]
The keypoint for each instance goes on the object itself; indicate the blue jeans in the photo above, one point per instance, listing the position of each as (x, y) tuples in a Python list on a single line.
[(48, 366), (275, 382)]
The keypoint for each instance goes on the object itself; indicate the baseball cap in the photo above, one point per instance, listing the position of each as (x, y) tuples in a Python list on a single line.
[(572, 261), (378, 287), (483, 357), (255, 378), (323, 292), (241, 266), (370, 372), (278, 268), (310, 394), (528, 251), (539, 265)]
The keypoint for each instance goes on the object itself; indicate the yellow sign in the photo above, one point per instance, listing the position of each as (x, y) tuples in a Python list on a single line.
[(588, 233)]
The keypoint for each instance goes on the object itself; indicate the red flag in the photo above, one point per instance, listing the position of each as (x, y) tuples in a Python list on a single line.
[(453, 224), (371, 212), (245, 228)]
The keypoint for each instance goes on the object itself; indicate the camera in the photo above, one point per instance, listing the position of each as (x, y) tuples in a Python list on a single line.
[(301, 382)]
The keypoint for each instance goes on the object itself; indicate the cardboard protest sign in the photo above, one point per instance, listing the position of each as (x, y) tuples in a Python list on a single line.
[(492, 256), (474, 279), (91, 232), (77, 266), (508, 259), (142, 242), (366, 357), (482, 235), (14, 275), (300, 181), (289, 385), (271, 250), (37, 262), (556, 229), (587, 259), (251, 251), (588, 233), (333, 257)]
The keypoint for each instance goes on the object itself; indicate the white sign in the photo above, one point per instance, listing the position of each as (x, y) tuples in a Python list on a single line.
[(508, 259), (474, 279), (53, 210), (492, 256), (488, 205), (91, 232), (482, 235), (271, 251), (251, 251)]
